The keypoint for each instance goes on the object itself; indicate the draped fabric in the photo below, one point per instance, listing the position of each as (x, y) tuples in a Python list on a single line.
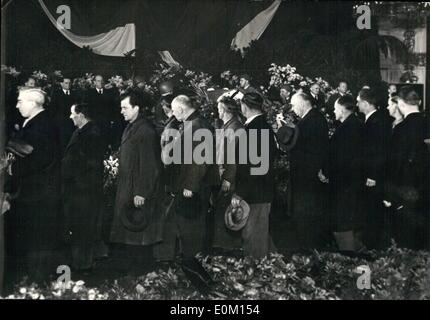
[(112, 27), (115, 42), (255, 28)]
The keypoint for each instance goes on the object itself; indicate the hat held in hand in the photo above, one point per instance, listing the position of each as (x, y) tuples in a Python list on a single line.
[(236, 217), (137, 219), (19, 148)]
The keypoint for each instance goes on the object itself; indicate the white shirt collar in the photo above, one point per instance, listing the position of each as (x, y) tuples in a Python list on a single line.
[(65, 91), (100, 90), (369, 114), (306, 113), (248, 121), (28, 119)]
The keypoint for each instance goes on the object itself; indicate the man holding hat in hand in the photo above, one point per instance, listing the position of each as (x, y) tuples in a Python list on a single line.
[(256, 189)]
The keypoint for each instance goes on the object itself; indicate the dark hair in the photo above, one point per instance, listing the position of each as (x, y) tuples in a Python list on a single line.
[(167, 100), (253, 100), (245, 76), (230, 105), (287, 87), (85, 109), (394, 98), (368, 95), (409, 95), (62, 78), (30, 77), (347, 101), (138, 98)]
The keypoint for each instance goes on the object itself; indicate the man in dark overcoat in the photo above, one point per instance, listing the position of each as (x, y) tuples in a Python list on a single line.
[(377, 135), (255, 179), (139, 184), (82, 176), (232, 129), (191, 184), (344, 172), (306, 196), (406, 189), (34, 225)]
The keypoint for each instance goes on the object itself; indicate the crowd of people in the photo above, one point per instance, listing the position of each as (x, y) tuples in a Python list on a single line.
[(371, 175)]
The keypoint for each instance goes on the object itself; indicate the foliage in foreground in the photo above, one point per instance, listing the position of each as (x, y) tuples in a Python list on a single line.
[(395, 274)]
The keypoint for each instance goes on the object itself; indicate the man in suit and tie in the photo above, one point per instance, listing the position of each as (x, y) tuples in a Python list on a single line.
[(107, 111), (316, 98), (61, 100), (341, 90), (33, 226), (377, 135)]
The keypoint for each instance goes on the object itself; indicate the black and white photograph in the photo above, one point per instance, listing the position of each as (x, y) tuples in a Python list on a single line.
[(231, 151)]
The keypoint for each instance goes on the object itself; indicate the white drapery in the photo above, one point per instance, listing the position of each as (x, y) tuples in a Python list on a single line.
[(114, 43), (255, 28)]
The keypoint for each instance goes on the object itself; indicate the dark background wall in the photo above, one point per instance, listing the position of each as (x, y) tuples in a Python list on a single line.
[(34, 43)]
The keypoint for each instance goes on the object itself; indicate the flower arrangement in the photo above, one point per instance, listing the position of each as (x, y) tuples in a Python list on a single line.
[(10, 71), (119, 83), (230, 79), (111, 166), (85, 82), (396, 274)]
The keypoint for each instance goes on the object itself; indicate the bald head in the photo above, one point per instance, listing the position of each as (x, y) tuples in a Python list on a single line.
[(182, 107), (301, 103)]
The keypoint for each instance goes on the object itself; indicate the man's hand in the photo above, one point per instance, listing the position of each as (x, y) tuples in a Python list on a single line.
[(387, 204), (226, 186), (322, 177), (370, 183), (187, 193), (139, 201), (235, 201)]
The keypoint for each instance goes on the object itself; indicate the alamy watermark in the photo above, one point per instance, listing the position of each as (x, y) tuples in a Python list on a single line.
[(364, 281), (240, 146)]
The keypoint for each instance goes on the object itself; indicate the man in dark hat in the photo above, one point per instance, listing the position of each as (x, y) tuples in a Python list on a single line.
[(166, 91), (255, 182)]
